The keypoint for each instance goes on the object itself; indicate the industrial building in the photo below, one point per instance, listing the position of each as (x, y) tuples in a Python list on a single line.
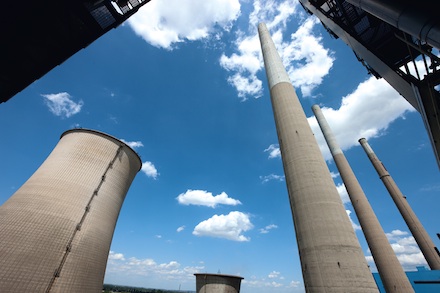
[(56, 229), (40, 35), (422, 280), (217, 283), (395, 40), (331, 256)]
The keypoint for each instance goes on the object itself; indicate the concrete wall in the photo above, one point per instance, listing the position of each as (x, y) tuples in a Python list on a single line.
[(217, 283), (56, 230)]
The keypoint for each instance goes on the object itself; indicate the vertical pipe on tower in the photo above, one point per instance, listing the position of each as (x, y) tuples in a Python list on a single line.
[(331, 256), (391, 272), (429, 250)]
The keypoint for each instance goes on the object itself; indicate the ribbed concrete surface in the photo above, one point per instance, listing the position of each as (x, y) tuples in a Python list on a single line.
[(217, 283), (56, 230), (331, 257)]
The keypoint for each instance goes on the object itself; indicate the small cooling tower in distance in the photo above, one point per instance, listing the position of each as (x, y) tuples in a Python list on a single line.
[(217, 283), (56, 229)]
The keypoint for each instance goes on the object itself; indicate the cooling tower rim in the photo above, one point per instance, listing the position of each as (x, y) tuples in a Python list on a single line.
[(116, 140), (218, 275)]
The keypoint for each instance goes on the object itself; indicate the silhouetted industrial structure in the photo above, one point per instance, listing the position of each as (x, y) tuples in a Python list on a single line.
[(393, 39), (390, 270), (217, 283), (331, 257), (56, 229), (427, 246), (39, 35)]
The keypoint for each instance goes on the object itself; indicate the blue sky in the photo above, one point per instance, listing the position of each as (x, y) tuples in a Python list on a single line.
[(183, 83)]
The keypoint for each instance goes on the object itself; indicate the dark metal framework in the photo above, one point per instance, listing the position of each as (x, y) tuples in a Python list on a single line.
[(404, 58), (39, 35)]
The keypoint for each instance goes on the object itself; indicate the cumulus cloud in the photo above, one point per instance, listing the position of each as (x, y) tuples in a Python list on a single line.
[(269, 284), (150, 170), (180, 229), (115, 256), (62, 104), (303, 55), (343, 193), (360, 116), (133, 144), (355, 226), (168, 22), (205, 198), (274, 275), (334, 175), (274, 151), (406, 249), (148, 268), (266, 229), (230, 226), (270, 177)]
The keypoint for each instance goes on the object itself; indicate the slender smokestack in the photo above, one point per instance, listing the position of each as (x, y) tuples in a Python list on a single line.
[(331, 257), (422, 238), (391, 272)]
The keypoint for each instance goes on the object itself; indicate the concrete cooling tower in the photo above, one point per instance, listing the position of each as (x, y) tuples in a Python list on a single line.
[(217, 283), (56, 229)]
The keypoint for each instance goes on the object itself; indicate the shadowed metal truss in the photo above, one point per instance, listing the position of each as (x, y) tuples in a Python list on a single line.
[(397, 40), (39, 35)]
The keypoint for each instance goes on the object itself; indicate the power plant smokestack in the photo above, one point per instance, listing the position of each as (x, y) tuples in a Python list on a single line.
[(331, 257), (391, 272), (422, 238), (56, 229), (217, 283)]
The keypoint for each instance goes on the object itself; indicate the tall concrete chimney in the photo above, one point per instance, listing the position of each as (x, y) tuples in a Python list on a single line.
[(391, 272), (422, 238), (56, 229), (331, 256)]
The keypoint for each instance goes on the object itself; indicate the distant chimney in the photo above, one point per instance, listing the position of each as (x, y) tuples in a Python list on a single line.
[(422, 238)]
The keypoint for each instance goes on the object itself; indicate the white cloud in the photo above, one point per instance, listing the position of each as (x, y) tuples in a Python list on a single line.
[(180, 229), (149, 268), (205, 198), (163, 23), (266, 229), (270, 177), (274, 151), (367, 112), (230, 226), (406, 249), (334, 175), (62, 105), (133, 144), (268, 284), (149, 169), (355, 226), (115, 256), (343, 193), (274, 275), (303, 55)]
